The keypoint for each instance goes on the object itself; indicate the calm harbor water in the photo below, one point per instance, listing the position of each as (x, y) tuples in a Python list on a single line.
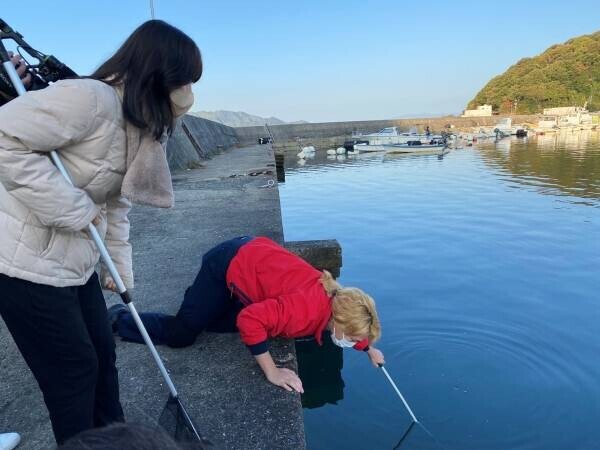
[(485, 266)]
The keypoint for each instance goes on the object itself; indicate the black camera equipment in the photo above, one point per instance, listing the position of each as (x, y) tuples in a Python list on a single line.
[(46, 70)]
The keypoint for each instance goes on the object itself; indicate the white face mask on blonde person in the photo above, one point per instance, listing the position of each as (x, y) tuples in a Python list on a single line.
[(344, 342), (182, 100)]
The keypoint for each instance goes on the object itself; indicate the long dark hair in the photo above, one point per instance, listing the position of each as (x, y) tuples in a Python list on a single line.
[(153, 61)]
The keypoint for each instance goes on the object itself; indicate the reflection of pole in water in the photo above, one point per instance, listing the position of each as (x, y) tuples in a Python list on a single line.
[(422, 427), (415, 421), (405, 435)]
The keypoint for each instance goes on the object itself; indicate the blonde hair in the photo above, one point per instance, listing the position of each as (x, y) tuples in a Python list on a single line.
[(352, 309)]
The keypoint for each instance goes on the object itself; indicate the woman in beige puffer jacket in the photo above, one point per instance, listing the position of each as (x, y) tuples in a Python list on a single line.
[(109, 130)]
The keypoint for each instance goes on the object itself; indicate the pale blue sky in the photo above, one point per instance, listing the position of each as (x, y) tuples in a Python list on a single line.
[(324, 60)]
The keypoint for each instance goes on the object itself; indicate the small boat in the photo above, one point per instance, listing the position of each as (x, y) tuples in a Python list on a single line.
[(409, 147), (505, 128), (393, 135), (366, 147), (421, 148), (439, 152), (307, 152), (482, 133)]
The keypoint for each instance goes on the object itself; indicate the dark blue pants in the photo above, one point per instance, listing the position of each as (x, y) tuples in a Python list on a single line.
[(207, 304)]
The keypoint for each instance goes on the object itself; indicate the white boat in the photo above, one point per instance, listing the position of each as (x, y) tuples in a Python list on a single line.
[(506, 128), (412, 147), (482, 133), (393, 135), (307, 152), (422, 148), (365, 147)]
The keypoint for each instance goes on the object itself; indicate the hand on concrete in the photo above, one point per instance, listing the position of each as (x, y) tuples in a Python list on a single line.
[(376, 357), (21, 67), (286, 378)]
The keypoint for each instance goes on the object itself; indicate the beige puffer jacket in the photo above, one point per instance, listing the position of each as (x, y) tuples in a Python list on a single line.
[(41, 215)]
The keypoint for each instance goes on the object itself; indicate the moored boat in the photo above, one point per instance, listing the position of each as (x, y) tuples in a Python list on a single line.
[(409, 147)]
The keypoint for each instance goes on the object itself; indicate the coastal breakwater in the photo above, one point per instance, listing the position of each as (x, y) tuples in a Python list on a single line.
[(290, 137), (195, 139)]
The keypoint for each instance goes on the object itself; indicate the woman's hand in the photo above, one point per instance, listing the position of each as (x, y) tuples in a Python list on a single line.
[(21, 68), (95, 221), (109, 283), (376, 357), (285, 378)]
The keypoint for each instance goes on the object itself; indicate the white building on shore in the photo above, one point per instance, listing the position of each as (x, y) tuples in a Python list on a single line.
[(566, 117), (480, 111), (564, 111)]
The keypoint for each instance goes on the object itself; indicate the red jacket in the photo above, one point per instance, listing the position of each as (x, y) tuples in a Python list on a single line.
[(282, 294)]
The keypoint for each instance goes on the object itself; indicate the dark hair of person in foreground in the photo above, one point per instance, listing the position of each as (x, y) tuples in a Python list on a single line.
[(156, 59)]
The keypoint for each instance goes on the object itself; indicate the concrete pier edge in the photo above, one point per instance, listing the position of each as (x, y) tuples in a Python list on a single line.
[(234, 193)]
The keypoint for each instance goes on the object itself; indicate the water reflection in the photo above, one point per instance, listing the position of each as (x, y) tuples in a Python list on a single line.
[(559, 163), (320, 369), (566, 163)]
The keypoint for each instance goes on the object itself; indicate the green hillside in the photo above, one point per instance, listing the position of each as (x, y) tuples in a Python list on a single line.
[(564, 75)]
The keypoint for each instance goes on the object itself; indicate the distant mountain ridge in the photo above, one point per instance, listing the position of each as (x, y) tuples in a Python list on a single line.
[(564, 75), (240, 118)]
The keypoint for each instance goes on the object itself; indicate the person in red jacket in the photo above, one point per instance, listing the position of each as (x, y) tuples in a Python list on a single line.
[(267, 292)]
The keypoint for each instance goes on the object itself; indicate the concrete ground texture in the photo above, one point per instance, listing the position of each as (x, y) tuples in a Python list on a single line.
[(233, 194)]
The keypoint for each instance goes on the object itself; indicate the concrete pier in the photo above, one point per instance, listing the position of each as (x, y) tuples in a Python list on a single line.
[(234, 193)]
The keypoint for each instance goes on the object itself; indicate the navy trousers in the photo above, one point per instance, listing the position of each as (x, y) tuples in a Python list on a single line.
[(207, 304)]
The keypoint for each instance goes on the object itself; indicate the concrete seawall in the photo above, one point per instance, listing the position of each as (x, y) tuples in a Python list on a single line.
[(195, 139), (288, 137)]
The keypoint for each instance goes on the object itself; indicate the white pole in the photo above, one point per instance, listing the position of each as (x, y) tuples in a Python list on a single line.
[(399, 394)]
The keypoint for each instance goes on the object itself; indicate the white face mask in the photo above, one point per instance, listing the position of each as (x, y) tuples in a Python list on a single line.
[(343, 342), (182, 100)]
